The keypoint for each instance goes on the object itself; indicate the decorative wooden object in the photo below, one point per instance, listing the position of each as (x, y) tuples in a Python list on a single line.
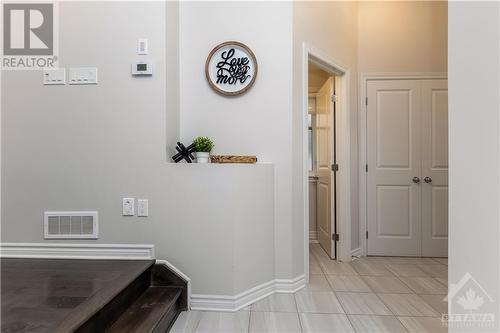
[(231, 68), (233, 159)]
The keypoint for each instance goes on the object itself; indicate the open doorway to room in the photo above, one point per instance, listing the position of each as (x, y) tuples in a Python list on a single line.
[(322, 159), (326, 158)]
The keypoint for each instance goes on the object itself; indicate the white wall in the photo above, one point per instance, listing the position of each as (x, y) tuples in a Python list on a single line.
[(474, 137), (86, 147), (258, 122)]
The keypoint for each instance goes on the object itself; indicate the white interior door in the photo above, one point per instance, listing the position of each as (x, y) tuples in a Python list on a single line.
[(394, 168), (435, 168), (324, 112)]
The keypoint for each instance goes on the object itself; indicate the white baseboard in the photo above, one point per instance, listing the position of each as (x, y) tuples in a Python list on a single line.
[(356, 252), (235, 303), (77, 251)]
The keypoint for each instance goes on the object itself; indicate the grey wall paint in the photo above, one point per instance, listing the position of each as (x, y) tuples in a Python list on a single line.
[(474, 139), (258, 122), (86, 147)]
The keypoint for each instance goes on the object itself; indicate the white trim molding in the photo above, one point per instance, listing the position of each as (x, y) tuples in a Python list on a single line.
[(241, 300), (77, 251)]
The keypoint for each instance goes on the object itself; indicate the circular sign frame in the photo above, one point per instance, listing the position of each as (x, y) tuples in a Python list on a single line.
[(239, 76)]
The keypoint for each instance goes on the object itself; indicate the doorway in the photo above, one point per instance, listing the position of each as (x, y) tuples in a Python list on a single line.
[(322, 159), (337, 239)]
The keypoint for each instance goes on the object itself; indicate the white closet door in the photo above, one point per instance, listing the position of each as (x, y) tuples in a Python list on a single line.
[(435, 168), (394, 167)]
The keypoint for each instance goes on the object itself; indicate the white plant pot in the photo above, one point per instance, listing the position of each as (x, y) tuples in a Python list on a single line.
[(202, 157)]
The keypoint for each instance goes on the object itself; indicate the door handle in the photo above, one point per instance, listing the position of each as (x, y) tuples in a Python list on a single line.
[(416, 180), (428, 180)]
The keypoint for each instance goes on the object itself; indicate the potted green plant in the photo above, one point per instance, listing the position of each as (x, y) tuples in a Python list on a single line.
[(203, 147)]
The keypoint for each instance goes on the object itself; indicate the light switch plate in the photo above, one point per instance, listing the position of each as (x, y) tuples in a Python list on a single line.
[(142, 46), (82, 75), (128, 205), (142, 207), (55, 76)]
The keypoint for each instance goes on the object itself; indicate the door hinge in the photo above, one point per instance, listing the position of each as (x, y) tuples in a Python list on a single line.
[(335, 237), (367, 234), (334, 98), (335, 167), (366, 167), (366, 100)]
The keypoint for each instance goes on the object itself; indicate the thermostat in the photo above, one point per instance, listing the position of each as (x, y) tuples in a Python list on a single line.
[(142, 68)]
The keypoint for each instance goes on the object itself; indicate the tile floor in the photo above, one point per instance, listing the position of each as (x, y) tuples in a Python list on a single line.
[(374, 294)]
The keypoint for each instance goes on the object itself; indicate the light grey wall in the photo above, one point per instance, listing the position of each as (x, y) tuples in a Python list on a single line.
[(474, 139), (258, 122), (86, 147)]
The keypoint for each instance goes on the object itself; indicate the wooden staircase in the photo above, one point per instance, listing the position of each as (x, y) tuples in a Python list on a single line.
[(150, 303)]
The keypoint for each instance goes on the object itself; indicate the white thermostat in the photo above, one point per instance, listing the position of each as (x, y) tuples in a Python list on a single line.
[(142, 68)]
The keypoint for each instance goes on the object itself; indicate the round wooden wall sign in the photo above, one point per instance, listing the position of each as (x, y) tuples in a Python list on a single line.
[(231, 68)]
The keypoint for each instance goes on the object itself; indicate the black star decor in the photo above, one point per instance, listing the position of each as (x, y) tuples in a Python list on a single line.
[(184, 153)]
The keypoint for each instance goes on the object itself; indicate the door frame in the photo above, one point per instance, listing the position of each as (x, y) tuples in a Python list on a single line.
[(342, 78), (362, 128)]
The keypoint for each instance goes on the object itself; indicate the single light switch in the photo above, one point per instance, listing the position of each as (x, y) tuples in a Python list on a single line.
[(54, 76), (128, 205), (142, 207), (142, 46), (82, 75)]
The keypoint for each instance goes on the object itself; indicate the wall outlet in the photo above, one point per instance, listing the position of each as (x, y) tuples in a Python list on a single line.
[(142, 207), (128, 205)]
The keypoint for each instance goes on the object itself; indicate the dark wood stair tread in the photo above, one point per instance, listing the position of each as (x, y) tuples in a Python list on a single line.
[(153, 311)]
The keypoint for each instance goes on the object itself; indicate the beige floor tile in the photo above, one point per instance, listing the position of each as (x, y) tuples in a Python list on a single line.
[(363, 304), (351, 283), (444, 281), (386, 284), (437, 271), (425, 285), (317, 251), (312, 258), (186, 322), (406, 270), (423, 324), (408, 305), (332, 267), (373, 268), (275, 322), (317, 283), (223, 322), (406, 260), (325, 323), (443, 261), (314, 268), (378, 324), (437, 302), (276, 303), (318, 302)]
